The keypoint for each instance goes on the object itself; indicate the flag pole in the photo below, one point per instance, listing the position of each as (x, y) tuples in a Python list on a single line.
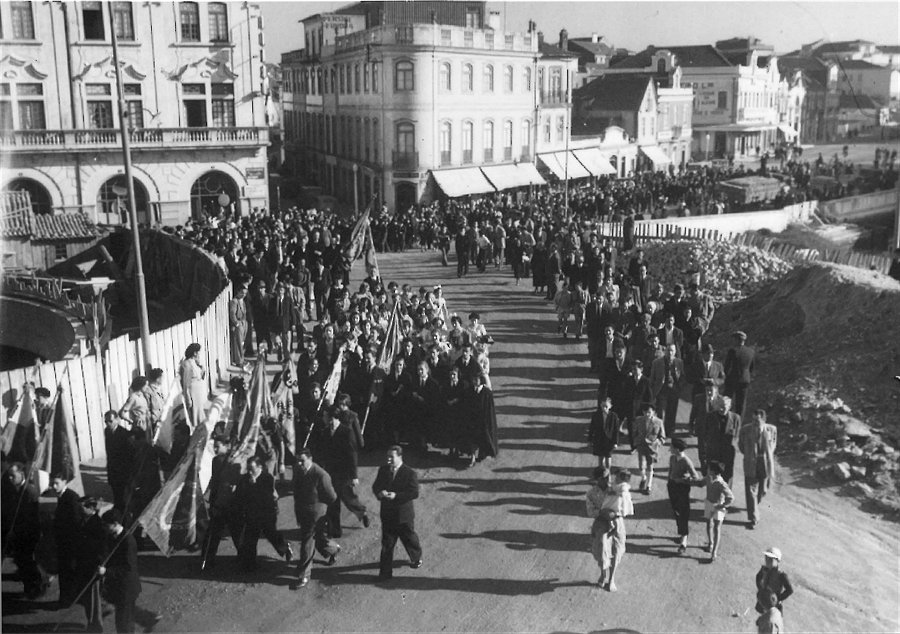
[(132, 206)]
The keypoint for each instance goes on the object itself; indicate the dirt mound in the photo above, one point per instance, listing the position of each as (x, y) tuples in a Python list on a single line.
[(828, 347), (727, 271)]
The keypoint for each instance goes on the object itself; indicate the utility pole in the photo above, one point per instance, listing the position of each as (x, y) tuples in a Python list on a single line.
[(132, 207)]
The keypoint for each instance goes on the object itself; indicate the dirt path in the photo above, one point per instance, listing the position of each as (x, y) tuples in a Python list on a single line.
[(507, 545)]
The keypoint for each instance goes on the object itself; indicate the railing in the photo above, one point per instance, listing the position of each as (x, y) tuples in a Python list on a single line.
[(507, 154), (445, 159), (405, 160), (467, 157), (676, 131), (553, 97), (489, 156), (12, 140)]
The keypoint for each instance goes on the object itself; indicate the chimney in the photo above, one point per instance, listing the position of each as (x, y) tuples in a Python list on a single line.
[(531, 26), (595, 38), (540, 38), (494, 20), (564, 40)]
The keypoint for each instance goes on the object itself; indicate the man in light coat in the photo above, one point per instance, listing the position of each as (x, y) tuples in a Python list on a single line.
[(757, 442)]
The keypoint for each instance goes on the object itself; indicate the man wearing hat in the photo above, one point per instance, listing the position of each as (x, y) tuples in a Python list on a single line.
[(772, 580), (739, 372), (703, 372), (757, 442)]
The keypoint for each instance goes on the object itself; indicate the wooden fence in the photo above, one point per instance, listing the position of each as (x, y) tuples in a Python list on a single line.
[(91, 386)]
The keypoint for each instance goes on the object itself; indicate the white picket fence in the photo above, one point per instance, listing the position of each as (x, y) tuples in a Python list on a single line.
[(92, 387)]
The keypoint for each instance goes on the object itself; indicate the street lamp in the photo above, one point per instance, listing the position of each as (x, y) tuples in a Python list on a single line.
[(355, 190), (707, 146)]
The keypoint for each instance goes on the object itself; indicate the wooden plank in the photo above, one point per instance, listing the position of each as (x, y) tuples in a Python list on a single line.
[(81, 417), (91, 377), (64, 372)]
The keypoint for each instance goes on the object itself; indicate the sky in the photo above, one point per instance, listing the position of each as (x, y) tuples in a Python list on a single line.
[(637, 24)]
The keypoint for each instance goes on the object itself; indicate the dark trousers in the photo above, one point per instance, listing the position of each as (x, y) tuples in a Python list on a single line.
[(93, 611), (739, 398), (34, 581), (346, 494), (680, 499), (462, 264), (391, 532), (251, 533), (125, 616), (667, 404), (218, 522), (313, 537)]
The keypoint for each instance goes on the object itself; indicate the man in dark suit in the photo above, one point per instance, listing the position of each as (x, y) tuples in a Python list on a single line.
[(66, 524), (338, 454), (21, 528), (396, 485), (256, 504), (313, 493), (321, 281), (666, 378), (739, 372), (282, 318), (424, 402), (670, 333), (120, 454), (122, 583), (703, 372)]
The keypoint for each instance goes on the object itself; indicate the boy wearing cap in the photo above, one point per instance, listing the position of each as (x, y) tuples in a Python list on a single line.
[(772, 580)]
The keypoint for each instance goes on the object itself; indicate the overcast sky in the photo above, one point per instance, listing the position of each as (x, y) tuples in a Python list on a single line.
[(637, 24)]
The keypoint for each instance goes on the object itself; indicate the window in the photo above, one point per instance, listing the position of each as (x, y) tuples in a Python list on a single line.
[(561, 129), (194, 102), (445, 77), (406, 138), (222, 105), (404, 80), (22, 20), (99, 102), (134, 105), (218, 22), (468, 138), (189, 13), (123, 20), (356, 82), (488, 79), (507, 140), (367, 131), (548, 130), (526, 138), (365, 72), (509, 41), (360, 139), (467, 78), (374, 78), (526, 79), (59, 251), (376, 141), (92, 20), (488, 141), (22, 107), (342, 79), (722, 100), (508, 78), (446, 135), (472, 18), (556, 81)]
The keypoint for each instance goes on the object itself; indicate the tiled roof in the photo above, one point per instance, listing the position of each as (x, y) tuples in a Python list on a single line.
[(857, 102), (702, 56), (841, 47), (891, 50), (552, 50), (73, 226), (614, 92), (860, 64), (16, 225), (586, 44), (637, 61)]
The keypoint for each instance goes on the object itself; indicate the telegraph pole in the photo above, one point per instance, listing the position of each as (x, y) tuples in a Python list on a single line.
[(132, 206)]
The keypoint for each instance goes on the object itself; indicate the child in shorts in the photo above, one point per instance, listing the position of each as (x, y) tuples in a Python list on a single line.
[(718, 498)]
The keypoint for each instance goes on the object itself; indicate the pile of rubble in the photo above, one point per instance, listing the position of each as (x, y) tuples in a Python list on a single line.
[(727, 271)]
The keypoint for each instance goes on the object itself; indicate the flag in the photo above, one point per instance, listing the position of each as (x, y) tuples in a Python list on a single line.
[(258, 403), (19, 438), (371, 261), (220, 409), (391, 344), (56, 452), (173, 413), (177, 513), (330, 389), (355, 246)]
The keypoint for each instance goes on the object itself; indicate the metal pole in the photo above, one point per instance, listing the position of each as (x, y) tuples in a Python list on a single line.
[(132, 207), (568, 133), (355, 190)]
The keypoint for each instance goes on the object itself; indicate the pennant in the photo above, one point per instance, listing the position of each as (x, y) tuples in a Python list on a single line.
[(56, 453), (19, 438), (178, 513), (258, 403), (174, 412), (356, 244), (390, 347), (330, 389)]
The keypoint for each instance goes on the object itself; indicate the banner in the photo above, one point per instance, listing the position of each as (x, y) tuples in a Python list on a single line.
[(390, 347), (56, 451), (19, 438), (354, 248), (219, 409), (330, 389), (176, 514), (174, 412), (258, 404), (370, 259)]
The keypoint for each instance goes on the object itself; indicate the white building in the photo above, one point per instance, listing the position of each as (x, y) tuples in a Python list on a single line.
[(400, 102), (195, 91)]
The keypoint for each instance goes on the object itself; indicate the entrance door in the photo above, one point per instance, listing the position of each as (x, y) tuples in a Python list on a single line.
[(404, 196), (195, 113), (720, 145)]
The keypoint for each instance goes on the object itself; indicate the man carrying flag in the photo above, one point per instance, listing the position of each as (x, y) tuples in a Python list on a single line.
[(56, 451), (19, 437)]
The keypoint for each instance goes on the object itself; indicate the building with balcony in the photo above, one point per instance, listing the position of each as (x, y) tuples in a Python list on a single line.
[(819, 110), (195, 92), (399, 102)]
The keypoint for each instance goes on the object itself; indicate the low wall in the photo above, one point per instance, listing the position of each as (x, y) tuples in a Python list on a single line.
[(861, 207)]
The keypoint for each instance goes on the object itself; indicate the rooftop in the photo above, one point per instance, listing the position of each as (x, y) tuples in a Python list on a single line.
[(70, 226), (859, 64), (700, 56), (615, 92)]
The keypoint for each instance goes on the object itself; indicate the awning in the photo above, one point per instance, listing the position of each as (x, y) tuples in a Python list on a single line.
[(462, 182), (512, 175), (530, 175), (595, 161), (556, 162), (734, 127), (656, 156), (787, 130)]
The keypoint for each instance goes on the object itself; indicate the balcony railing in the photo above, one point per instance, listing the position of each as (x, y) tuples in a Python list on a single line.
[(445, 159), (405, 160), (467, 157), (489, 156), (507, 154), (553, 97), (67, 140)]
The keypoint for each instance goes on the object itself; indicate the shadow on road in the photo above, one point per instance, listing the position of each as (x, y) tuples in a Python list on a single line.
[(523, 539)]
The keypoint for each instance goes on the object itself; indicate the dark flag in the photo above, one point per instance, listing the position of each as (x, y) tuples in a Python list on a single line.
[(56, 452)]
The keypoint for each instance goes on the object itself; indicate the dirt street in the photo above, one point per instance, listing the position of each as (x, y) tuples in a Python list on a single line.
[(507, 542)]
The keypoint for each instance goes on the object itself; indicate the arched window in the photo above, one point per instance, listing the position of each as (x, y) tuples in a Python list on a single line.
[(404, 76), (445, 83), (356, 82), (661, 66), (468, 82), (507, 140), (406, 139), (376, 141), (468, 139), (488, 80), (526, 138), (41, 202), (508, 78), (526, 79), (561, 129), (446, 142), (488, 141)]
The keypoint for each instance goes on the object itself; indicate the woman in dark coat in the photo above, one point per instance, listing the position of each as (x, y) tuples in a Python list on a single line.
[(539, 268), (483, 419), (603, 434)]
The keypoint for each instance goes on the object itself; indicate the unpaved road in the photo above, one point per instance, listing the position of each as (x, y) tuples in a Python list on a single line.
[(507, 542)]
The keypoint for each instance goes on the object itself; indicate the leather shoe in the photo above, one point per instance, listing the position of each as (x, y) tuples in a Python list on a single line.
[(365, 520), (416, 564), (333, 556)]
